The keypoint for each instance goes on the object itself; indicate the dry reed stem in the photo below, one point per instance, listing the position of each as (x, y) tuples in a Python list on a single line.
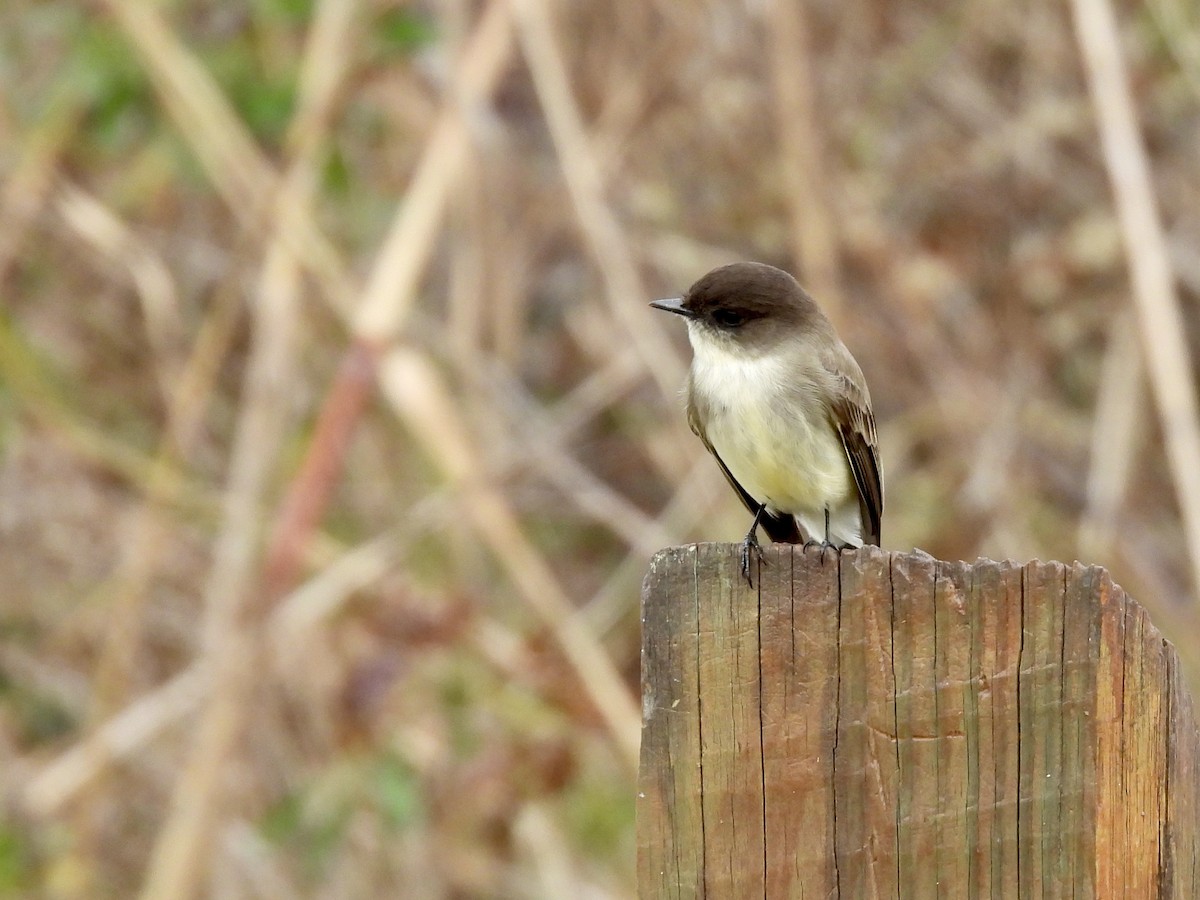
[(239, 171), (232, 643), (987, 486), (30, 182), (562, 421), (542, 439), (697, 492), (252, 856), (147, 535), (119, 738), (323, 594), (601, 389), (225, 149), (32, 386), (802, 167), (593, 497), (104, 231), (154, 285), (392, 285), (69, 689), (468, 288), (125, 733), (1162, 326), (626, 296), (432, 416), (535, 832), (387, 297), (168, 60), (538, 441), (415, 389), (617, 368), (308, 494), (354, 570), (1116, 429)]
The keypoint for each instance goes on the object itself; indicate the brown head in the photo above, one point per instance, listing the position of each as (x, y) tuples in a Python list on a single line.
[(747, 304)]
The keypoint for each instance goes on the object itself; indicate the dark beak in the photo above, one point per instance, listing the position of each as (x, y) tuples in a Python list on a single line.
[(674, 305)]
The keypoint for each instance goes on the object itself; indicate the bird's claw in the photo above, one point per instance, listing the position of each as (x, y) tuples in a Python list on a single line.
[(750, 546)]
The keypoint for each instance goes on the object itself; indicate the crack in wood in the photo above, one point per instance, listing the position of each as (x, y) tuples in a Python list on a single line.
[(1025, 733)]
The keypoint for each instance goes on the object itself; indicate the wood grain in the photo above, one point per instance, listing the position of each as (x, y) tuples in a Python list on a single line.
[(868, 724)]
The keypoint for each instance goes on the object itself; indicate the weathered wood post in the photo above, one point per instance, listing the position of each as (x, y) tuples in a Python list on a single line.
[(885, 725)]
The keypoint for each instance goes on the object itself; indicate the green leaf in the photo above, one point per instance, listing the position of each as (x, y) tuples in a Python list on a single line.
[(398, 793), (404, 31), (15, 864), (285, 10)]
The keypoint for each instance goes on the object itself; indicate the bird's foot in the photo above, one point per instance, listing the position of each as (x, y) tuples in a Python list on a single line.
[(821, 545), (750, 546)]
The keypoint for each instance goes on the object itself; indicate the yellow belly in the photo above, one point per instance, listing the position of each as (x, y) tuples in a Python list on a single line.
[(782, 458)]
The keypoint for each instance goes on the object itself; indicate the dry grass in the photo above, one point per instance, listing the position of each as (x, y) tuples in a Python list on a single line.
[(337, 433)]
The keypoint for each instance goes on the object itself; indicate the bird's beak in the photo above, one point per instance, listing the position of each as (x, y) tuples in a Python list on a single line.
[(674, 305)]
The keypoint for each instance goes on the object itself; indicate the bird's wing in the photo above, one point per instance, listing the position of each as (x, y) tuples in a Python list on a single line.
[(851, 413), (782, 529)]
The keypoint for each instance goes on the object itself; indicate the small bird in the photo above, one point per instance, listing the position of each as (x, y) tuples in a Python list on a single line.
[(783, 407)]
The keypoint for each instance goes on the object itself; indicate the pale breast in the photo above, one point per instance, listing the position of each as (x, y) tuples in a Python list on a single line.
[(776, 441)]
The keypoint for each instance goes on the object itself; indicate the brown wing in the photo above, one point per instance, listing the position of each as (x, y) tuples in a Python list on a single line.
[(781, 529), (851, 413)]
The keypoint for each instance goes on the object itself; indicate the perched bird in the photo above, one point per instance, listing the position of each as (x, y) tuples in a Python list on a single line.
[(783, 407)]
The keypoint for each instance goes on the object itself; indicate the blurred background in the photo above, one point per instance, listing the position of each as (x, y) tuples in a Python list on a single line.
[(337, 435)]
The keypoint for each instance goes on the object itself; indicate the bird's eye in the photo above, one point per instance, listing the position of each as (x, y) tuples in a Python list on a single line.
[(728, 318)]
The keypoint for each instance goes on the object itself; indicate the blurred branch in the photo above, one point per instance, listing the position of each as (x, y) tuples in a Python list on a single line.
[(1162, 325), (1115, 432), (147, 536), (695, 493), (121, 737), (222, 144), (100, 227), (539, 444), (32, 383), (536, 834), (252, 856), (401, 260), (230, 637), (414, 388), (307, 496), (29, 182), (232, 643), (240, 172), (390, 289), (316, 600), (125, 734), (802, 166), (627, 298), (388, 295)]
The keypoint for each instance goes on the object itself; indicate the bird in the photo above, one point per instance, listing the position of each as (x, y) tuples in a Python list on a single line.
[(783, 407)]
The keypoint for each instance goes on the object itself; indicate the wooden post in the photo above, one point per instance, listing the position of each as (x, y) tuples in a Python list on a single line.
[(885, 725)]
